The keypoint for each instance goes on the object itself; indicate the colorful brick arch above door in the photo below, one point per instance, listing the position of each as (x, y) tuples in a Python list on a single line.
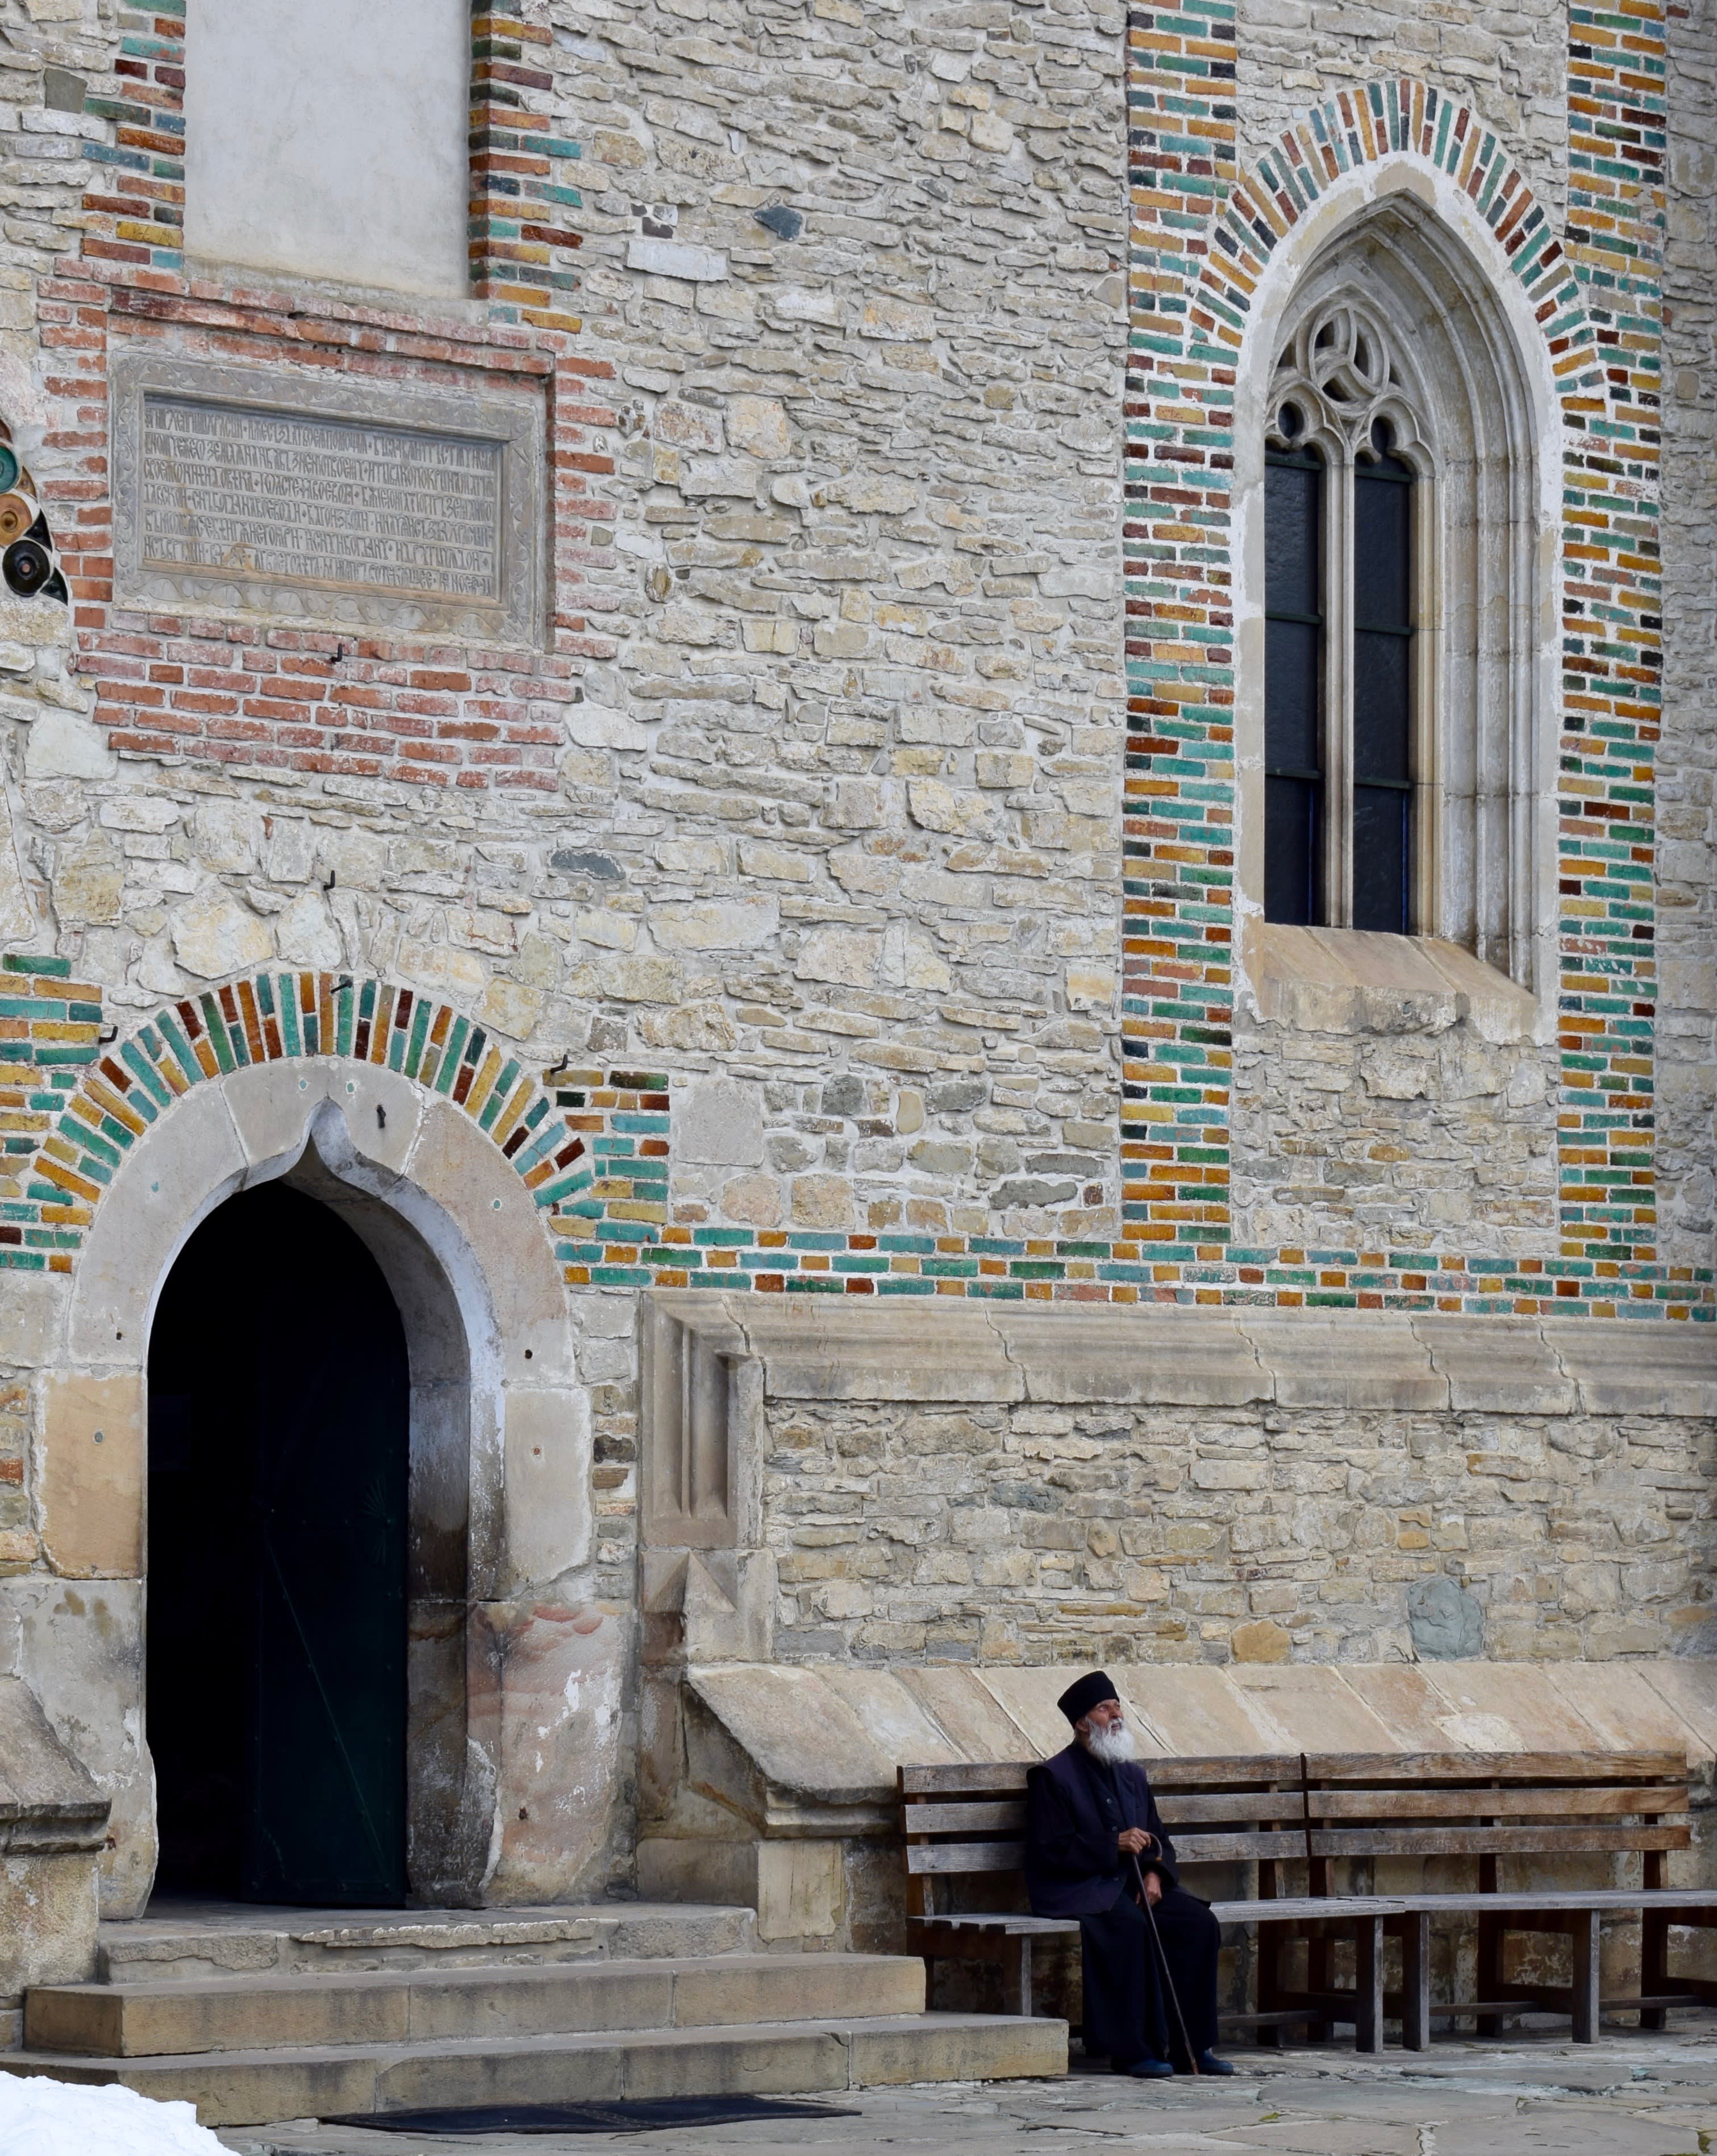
[(78, 1103)]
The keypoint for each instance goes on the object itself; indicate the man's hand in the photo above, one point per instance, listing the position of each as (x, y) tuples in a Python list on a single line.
[(1135, 1841)]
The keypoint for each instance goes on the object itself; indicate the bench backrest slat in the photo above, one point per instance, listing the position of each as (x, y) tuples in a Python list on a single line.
[(1516, 1802)]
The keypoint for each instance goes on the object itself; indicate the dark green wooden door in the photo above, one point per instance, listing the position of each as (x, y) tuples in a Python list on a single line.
[(279, 1344)]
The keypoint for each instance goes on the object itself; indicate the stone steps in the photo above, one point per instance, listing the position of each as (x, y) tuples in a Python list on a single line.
[(770, 2058), (255, 2014), (249, 2013)]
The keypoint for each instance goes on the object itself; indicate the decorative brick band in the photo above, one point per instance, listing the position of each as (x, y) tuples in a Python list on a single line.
[(593, 1148)]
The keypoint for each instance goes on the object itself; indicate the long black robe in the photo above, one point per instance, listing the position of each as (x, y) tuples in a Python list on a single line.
[(1075, 1808)]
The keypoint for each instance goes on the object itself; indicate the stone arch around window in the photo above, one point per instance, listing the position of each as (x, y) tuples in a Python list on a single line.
[(1467, 388)]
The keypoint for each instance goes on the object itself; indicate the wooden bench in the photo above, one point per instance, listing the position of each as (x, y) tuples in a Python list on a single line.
[(1491, 1811), (969, 1821), (1315, 1811)]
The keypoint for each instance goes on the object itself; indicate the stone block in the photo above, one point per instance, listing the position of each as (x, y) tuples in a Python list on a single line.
[(33, 1315), (975, 1723), (960, 2047), (164, 2021), (92, 1478), (1447, 1624), (951, 1353), (1191, 1710), (543, 2002), (1313, 1706), (547, 1452), (1028, 1696), (759, 2063), (48, 1915), (796, 1988), (1071, 1354), (515, 1274), (1508, 1707), (1673, 1372), (1630, 1710), (688, 1868), (1498, 1365), (1404, 1700), (1371, 1361), (1689, 1687), (191, 1159), (804, 1737), (896, 1722), (78, 1647), (800, 1890), (544, 1693), (719, 1122)]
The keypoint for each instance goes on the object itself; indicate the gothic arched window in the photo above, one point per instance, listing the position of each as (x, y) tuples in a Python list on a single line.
[(1397, 502), (1345, 488)]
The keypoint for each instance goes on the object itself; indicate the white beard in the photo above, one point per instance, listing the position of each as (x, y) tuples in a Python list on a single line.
[(1111, 1745)]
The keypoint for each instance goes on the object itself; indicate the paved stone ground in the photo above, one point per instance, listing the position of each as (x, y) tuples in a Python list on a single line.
[(1631, 2095)]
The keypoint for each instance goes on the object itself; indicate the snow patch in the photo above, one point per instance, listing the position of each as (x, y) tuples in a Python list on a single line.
[(43, 2117)]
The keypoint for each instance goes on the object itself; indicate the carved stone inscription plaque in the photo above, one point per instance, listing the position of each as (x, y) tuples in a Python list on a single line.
[(238, 491), (264, 495)]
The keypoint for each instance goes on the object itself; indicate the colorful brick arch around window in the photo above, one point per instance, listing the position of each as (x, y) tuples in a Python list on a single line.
[(1363, 126), (72, 1105)]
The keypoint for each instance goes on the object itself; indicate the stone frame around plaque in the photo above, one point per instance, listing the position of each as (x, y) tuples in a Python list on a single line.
[(511, 420)]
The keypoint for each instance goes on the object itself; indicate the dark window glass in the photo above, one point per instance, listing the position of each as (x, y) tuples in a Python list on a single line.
[(1383, 700), (1293, 644)]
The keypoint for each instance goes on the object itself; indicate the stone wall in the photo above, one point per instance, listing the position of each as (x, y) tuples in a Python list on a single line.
[(1046, 1534)]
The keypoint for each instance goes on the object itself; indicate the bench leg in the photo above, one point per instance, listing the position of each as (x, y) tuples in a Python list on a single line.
[(1368, 1984), (1653, 1966), (1023, 1978), (1585, 1927), (1319, 1954), (1416, 1981), (1490, 1972)]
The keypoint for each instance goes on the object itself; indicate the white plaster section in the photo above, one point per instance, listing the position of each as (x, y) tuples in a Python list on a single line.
[(1498, 442), (329, 141)]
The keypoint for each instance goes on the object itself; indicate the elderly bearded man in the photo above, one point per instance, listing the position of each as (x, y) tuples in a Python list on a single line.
[(1092, 1834)]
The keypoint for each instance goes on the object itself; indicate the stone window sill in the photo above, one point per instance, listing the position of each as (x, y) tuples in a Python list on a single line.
[(1351, 980)]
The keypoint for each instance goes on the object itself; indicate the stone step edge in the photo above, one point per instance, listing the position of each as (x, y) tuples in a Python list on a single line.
[(81, 2066), (324, 1926), (595, 1969), (579, 1933)]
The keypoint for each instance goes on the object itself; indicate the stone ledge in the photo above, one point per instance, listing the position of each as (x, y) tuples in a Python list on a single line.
[(954, 1350), (833, 1735), (1347, 980), (49, 1804)]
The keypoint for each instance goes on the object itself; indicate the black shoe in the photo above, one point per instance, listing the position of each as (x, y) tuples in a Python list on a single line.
[(1209, 2063), (1143, 2070)]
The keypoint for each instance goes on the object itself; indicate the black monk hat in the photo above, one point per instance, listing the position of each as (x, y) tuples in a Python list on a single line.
[(1077, 1702)]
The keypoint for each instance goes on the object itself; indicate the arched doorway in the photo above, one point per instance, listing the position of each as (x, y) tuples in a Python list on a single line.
[(280, 1395)]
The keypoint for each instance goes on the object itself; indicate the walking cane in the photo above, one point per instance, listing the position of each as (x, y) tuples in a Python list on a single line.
[(1150, 1917)]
